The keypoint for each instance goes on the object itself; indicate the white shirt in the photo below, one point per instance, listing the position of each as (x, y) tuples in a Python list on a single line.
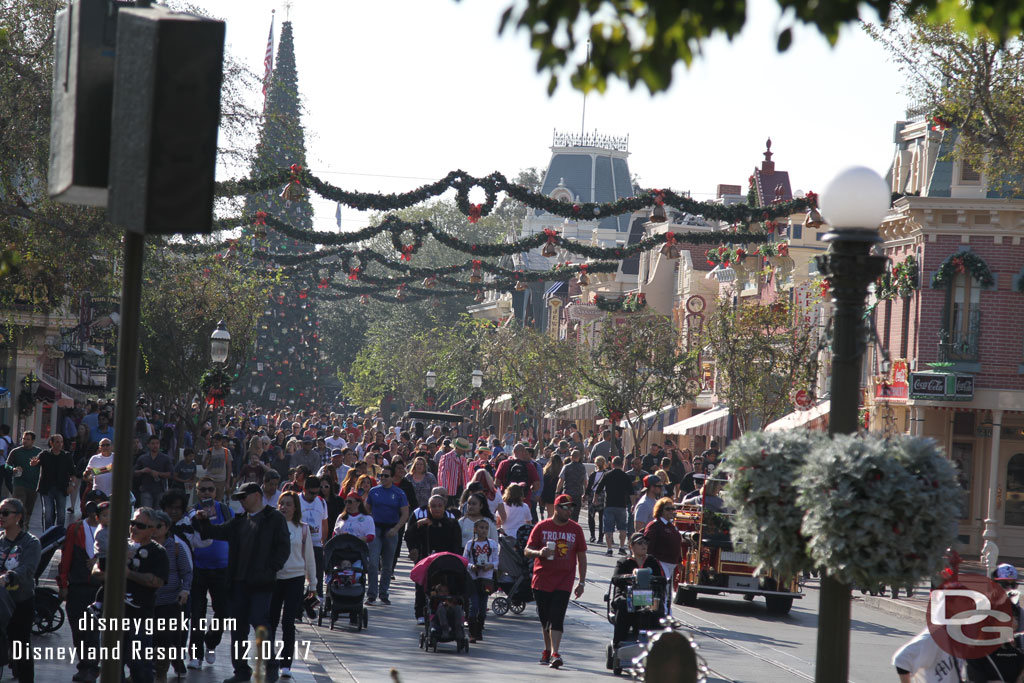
[(515, 517), (300, 559), (272, 501), (104, 481), (926, 662), (360, 526), (333, 443), (314, 513)]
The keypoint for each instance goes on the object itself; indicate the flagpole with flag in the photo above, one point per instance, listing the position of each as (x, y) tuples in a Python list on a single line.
[(268, 60)]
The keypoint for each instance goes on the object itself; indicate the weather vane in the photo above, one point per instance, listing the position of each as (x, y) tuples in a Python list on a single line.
[(287, 10)]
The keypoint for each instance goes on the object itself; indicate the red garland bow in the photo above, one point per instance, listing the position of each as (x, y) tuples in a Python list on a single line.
[(670, 239), (323, 284), (614, 415), (812, 199), (261, 218), (296, 170), (583, 267), (783, 249), (659, 197), (939, 124), (551, 234), (476, 264), (593, 299), (353, 274), (303, 294), (407, 252), (721, 250), (958, 264), (740, 252), (475, 210)]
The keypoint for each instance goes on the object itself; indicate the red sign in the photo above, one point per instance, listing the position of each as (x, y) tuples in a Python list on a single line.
[(897, 389), (803, 399), (970, 618)]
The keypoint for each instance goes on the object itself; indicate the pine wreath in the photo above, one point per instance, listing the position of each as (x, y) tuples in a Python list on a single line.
[(216, 385), (961, 262), (899, 282)]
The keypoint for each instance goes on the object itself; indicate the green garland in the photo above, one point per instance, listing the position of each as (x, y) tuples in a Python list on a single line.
[(632, 302), (961, 262), (216, 379), (900, 282), (494, 183)]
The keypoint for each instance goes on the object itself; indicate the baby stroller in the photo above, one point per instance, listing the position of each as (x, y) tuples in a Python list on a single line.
[(49, 614), (345, 560), (636, 605), (513, 575), (444, 577)]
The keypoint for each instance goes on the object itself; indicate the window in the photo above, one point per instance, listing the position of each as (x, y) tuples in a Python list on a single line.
[(959, 339), (1015, 491), (797, 231), (968, 174), (905, 336)]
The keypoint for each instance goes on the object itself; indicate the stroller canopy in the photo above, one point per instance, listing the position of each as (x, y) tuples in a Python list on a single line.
[(435, 564), (345, 545)]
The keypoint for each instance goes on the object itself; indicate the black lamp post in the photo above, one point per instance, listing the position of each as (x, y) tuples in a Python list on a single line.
[(854, 204), (220, 345)]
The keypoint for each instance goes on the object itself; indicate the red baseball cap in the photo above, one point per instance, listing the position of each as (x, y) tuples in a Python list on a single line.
[(354, 494), (564, 499)]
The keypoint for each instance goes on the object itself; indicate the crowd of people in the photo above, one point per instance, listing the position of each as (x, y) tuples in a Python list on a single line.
[(235, 517)]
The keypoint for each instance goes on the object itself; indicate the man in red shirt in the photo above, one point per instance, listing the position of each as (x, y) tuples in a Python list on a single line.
[(559, 546), (519, 469)]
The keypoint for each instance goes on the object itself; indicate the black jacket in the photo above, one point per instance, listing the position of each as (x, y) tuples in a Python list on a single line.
[(441, 535), (55, 471), (258, 546)]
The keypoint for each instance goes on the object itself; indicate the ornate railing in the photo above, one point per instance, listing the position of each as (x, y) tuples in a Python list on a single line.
[(618, 143), (961, 345)]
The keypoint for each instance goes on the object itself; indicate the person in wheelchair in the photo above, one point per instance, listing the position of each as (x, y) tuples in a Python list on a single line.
[(636, 609)]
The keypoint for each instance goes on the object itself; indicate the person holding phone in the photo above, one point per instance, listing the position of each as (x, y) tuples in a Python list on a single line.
[(209, 576)]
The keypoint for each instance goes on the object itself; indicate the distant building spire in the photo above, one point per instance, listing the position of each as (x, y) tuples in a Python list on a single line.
[(768, 166)]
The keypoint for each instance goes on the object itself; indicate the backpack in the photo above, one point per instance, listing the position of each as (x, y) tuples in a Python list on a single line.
[(518, 474)]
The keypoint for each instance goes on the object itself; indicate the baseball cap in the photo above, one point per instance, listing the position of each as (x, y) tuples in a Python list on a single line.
[(652, 480), (564, 499), (1006, 572), (336, 451), (354, 494), (246, 489), (637, 537)]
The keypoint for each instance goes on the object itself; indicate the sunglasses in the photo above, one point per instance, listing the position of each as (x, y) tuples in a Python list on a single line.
[(139, 525), (353, 501), (4, 513), (206, 489)]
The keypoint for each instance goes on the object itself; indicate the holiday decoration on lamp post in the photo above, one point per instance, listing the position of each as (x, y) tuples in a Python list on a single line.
[(476, 398), (854, 204), (430, 397)]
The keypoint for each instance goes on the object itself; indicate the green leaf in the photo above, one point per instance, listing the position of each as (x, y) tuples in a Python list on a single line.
[(785, 40)]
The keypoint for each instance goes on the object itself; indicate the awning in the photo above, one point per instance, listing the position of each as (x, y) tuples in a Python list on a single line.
[(580, 409), (503, 402), (714, 422), (816, 418), (657, 420), (559, 288)]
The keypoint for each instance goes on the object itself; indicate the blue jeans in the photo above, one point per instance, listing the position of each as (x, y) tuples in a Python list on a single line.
[(55, 502), (382, 552)]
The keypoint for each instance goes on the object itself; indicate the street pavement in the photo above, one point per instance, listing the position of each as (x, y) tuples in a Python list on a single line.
[(738, 639)]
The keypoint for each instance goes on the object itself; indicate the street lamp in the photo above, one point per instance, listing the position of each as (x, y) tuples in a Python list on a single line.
[(854, 204), (431, 379), (220, 343), (478, 381)]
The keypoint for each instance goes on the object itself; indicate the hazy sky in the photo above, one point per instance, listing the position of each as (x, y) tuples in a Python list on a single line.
[(399, 92)]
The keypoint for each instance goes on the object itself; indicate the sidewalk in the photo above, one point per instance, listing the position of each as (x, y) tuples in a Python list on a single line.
[(915, 608)]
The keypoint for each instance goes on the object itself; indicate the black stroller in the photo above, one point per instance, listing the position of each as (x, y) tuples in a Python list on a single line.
[(636, 605), (345, 560), (513, 576), (446, 582), (49, 613)]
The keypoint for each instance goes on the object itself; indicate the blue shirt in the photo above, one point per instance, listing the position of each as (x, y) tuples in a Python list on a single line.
[(98, 434), (386, 504)]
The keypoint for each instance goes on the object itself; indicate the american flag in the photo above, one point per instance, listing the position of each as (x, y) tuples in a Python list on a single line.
[(268, 61)]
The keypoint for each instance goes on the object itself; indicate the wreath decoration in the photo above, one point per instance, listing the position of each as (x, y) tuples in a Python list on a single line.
[(900, 282), (963, 262), (216, 385), (632, 302)]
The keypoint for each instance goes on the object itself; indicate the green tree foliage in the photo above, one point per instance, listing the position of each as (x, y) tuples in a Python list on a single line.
[(635, 366), (763, 354), (182, 300), (641, 41), (972, 83)]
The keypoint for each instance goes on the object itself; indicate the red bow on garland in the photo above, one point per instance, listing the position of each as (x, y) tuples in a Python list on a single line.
[(407, 252), (261, 218), (812, 198), (475, 211), (353, 273), (303, 294), (323, 284), (296, 170)]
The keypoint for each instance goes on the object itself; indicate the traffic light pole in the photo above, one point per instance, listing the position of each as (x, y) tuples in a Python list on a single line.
[(111, 670)]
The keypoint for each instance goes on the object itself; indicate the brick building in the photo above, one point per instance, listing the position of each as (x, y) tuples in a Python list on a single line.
[(954, 342)]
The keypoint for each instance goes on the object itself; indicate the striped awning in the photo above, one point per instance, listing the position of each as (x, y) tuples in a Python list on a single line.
[(714, 422), (580, 409), (816, 418)]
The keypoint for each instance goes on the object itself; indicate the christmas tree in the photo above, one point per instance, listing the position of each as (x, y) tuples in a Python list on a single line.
[(284, 367)]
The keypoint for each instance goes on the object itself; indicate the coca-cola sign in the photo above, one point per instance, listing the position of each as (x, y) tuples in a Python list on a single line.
[(941, 387)]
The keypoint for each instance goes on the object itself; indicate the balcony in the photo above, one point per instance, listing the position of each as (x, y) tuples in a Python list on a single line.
[(960, 345)]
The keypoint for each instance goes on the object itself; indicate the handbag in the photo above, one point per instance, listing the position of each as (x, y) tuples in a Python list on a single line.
[(6, 609), (486, 585)]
